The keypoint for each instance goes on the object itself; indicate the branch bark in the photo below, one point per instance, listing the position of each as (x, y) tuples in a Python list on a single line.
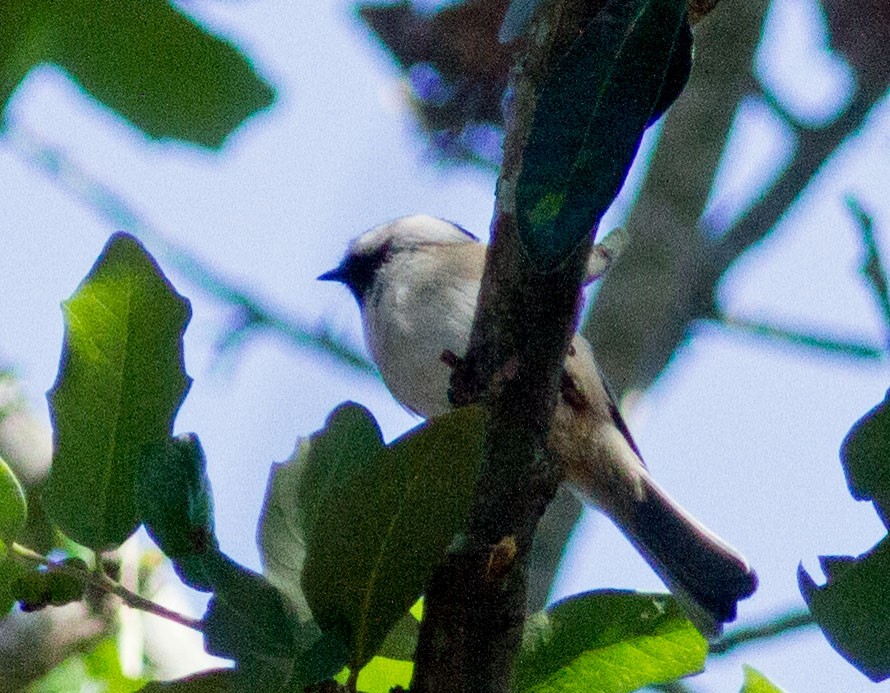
[(475, 604)]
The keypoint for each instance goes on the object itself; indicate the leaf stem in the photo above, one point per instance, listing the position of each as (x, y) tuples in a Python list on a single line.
[(791, 620), (873, 269), (106, 584), (834, 345)]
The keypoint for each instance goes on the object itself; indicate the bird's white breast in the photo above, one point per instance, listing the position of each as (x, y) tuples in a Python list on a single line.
[(416, 311)]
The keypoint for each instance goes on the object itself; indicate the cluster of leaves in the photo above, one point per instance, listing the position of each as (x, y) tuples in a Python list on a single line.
[(852, 608), (350, 533)]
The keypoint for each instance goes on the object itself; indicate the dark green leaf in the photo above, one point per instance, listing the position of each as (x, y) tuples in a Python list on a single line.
[(121, 381), (247, 616), (608, 642), (300, 491), (865, 454), (31, 590), (213, 681), (13, 508), (755, 682), (401, 641), (377, 538), (174, 497), (64, 588), (142, 58), (626, 66), (10, 574), (852, 609)]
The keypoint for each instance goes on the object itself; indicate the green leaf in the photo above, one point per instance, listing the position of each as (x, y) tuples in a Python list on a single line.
[(401, 641), (755, 682), (13, 508), (375, 540), (143, 59), (622, 71), (299, 492), (247, 617), (865, 454), (103, 663), (213, 681), (10, 575), (608, 642), (382, 674), (254, 676), (174, 497), (852, 608), (121, 381)]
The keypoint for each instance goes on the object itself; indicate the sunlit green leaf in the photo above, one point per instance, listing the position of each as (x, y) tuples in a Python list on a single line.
[(121, 381), (144, 59), (13, 508), (375, 540), (623, 70), (852, 608), (382, 674), (608, 642), (755, 682)]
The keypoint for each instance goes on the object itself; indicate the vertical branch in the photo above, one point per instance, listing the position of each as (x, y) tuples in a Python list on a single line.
[(475, 604)]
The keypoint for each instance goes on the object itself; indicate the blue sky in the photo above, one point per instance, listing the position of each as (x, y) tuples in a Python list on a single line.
[(743, 431)]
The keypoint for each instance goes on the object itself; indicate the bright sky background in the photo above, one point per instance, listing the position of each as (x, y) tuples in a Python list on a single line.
[(744, 431)]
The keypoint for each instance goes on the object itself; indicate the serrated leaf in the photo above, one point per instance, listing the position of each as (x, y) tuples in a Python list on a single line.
[(299, 492), (755, 682), (865, 454), (121, 381), (174, 497), (852, 609), (13, 508), (372, 550), (608, 642), (144, 59), (626, 66)]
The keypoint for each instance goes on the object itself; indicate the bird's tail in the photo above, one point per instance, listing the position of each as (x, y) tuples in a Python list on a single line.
[(706, 575)]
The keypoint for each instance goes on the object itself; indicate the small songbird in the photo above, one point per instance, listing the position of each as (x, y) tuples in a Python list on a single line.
[(417, 280)]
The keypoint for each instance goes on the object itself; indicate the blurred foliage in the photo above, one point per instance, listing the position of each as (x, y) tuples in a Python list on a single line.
[(456, 68), (852, 607), (143, 59), (666, 281)]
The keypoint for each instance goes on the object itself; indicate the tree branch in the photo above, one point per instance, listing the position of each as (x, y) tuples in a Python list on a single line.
[(474, 613), (106, 584), (252, 311)]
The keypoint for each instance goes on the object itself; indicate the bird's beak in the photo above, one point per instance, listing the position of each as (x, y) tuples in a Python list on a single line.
[(338, 274)]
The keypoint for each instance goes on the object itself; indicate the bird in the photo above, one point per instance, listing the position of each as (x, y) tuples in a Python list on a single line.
[(416, 281)]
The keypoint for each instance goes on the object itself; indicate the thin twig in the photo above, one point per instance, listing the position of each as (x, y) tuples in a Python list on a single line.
[(834, 345), (873, 268), (254, 311), (792, 620), (106, 584)]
